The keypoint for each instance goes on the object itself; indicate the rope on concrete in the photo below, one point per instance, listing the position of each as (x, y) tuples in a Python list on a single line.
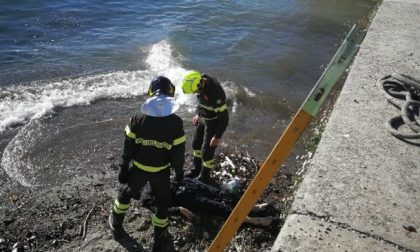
[(403, 91)]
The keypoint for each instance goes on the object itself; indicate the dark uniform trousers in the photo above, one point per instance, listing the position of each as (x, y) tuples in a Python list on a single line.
[(159, 182), (205, 130)]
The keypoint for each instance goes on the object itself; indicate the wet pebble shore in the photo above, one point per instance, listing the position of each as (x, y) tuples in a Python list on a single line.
[(73, 216)]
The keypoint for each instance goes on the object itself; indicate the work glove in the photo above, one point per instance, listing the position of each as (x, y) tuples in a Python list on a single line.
[(123, 174)]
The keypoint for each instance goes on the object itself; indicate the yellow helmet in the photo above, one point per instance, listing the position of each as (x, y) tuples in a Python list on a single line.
[(190, 82)]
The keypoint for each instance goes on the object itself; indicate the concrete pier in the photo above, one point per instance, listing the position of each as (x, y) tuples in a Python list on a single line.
[(362, 189)]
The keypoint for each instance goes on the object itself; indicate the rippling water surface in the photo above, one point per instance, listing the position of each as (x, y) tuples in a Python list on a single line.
[(71, 72)]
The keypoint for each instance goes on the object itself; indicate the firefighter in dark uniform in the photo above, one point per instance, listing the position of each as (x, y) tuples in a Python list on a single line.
[(211, 120), (154, 142)]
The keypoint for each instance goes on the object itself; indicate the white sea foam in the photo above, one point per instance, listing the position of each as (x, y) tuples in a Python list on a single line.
[(24, 104), (15, 160), (249, 92)]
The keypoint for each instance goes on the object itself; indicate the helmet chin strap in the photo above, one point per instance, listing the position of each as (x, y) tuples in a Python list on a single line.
[(202, 84)]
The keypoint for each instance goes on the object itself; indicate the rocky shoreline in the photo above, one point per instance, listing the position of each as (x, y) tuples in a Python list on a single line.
[(73, 216)]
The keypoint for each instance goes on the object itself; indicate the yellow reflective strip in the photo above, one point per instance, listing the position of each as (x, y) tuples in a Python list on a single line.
[(129, 133), (218, 109), (154, 143), (206, 107), (221, 109), (159, 222), (150, 168), (119, 211), (179, 140), (197, 153), (120, 205), (209, 164)]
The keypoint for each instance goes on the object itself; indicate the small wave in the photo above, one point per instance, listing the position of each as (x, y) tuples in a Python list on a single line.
[(255, 100), (15, 161), (22, 103), (27, 104)]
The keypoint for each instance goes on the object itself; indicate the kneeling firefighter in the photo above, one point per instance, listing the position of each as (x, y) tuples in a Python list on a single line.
[(211, 120), (154, 142)]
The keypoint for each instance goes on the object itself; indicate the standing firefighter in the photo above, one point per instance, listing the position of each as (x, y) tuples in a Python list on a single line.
[(154, 142), (211, 120)]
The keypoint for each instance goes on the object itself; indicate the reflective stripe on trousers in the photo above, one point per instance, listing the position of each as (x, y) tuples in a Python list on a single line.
[(210, 164), (159, 222), (197, 153), (120, 208)]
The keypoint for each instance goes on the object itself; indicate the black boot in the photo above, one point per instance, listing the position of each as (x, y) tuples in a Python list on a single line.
[(205, 175), (115, 223), (197, 168), (162, 241)]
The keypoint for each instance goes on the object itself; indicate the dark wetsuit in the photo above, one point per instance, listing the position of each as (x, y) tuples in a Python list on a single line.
[(195, 196)]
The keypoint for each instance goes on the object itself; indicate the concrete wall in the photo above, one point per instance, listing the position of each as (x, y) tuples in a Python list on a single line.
[(362, 190)]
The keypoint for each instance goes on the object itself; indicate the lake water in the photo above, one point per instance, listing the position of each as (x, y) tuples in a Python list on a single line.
[(73, 72)]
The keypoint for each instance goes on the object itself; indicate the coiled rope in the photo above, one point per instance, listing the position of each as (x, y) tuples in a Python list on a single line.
[(403, 91)]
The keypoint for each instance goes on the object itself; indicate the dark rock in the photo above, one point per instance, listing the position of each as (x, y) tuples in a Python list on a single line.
[(8, 221), (410, 229)]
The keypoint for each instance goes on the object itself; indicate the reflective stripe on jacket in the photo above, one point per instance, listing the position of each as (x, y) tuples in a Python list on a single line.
[(212, 104), (155, 143)]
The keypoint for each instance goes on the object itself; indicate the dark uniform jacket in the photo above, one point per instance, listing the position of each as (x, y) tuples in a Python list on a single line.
[(155, 143), (212, 104)]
